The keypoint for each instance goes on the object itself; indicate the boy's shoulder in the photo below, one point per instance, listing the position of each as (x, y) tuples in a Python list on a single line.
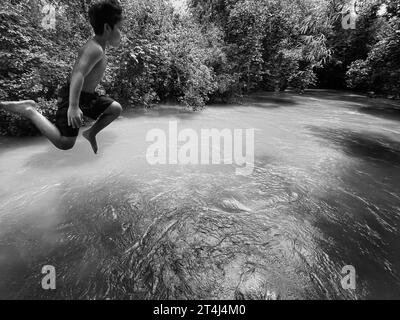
[(92, 48)]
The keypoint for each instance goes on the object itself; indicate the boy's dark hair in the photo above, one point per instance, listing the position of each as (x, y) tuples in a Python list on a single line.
[(102, 12)]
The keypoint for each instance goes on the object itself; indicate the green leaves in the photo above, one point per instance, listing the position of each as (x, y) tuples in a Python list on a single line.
[(379, 70)]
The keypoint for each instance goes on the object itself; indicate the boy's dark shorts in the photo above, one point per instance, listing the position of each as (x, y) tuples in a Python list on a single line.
[(91, 104)]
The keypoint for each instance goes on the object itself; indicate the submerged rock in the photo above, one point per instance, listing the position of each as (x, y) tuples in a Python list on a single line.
[(233, 205)]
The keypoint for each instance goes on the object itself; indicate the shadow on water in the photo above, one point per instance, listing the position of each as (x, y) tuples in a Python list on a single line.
[(390, 112), (368, 146), (358, 237), (260, 100), (162, 112), (81, 154), (360, 228), (348, 96), (379, 107), (360, 224), (269, 100)]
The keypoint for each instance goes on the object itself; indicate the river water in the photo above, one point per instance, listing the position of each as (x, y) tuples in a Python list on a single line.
[(324, 194)]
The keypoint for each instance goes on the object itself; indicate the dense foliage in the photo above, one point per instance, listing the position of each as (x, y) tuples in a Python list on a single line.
[(216, 51), (379, 71)]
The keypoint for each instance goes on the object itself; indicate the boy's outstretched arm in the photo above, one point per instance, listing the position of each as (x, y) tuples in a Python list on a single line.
[(89, 58)]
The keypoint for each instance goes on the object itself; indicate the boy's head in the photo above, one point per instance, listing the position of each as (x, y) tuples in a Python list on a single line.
[(105, 17)]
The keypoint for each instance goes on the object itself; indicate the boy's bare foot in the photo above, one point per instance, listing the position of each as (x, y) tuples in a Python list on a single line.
[(24, 108), (92, 140)]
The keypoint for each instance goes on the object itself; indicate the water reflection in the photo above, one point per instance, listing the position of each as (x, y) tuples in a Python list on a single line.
[(365, 145)]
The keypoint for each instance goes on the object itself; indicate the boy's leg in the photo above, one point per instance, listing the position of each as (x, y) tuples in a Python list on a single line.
[(109, 115), (28, 110)]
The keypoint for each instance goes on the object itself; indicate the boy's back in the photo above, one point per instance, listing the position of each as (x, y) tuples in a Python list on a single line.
[(93, 78)]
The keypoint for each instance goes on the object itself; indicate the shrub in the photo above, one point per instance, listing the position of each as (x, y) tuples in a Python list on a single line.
[(359, 75)]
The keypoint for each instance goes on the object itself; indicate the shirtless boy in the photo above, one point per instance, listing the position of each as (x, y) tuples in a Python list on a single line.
[(78, 97)]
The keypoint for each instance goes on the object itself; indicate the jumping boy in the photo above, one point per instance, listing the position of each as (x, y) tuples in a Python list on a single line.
[(78, 97)]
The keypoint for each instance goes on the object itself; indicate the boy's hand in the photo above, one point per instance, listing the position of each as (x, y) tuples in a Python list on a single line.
[(75, 117)]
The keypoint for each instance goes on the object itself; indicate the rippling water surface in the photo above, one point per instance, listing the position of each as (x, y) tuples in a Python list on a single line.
[(325, 193)]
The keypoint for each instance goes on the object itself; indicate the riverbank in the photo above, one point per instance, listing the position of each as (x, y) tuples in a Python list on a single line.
[(11, 125)]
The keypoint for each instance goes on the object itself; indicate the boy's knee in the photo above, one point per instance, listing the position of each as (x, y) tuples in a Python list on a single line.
[(66, 145), (31, 108), (116, 108)]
